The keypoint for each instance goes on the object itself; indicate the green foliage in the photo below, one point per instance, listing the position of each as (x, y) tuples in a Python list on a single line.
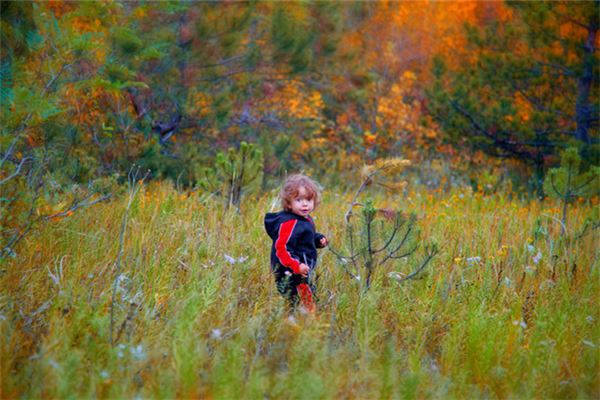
[(292, 40), (521, 97), (6, 84), (152, 157), (236, 173), (568, 183), (127, 41), (380, 237), (18, 28)]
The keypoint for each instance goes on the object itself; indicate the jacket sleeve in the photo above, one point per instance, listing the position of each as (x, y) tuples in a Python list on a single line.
[(318, 237), (282, 253)]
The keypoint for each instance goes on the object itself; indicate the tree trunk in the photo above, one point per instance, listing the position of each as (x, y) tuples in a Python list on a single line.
[(582, 107)]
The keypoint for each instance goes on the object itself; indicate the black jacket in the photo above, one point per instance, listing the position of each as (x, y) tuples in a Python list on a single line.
[(295, 240)]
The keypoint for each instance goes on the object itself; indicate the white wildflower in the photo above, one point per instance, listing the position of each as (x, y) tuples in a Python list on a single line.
[(530, 248), (232, 260), (589, 319), (536, 259), (520, 323), (507, 281), (138, 352), (473, 260), (104, 374), (288, 273), (216, 334)]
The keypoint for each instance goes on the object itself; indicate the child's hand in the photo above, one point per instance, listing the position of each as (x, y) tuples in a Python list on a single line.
[(324, 242), (304, 270)]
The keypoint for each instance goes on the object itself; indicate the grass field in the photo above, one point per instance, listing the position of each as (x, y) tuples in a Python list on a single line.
[(507, 309)]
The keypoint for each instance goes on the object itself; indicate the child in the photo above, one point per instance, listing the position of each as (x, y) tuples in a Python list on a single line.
[(295, 241)]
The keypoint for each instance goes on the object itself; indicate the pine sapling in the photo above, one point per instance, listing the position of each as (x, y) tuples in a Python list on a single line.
[(236, 172), (380, 236), (567, 182)]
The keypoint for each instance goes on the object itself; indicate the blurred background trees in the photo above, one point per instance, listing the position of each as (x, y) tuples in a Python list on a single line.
[(89, 89)]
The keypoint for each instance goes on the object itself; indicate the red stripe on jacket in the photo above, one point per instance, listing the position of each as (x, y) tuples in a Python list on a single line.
[(281, 251)]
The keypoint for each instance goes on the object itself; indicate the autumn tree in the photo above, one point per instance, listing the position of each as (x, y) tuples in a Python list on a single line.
[(530, 87)]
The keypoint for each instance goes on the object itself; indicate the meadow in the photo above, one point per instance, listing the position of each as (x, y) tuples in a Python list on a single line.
[(508, 308)]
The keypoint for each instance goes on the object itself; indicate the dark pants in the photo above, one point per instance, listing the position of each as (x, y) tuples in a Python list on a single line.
[(294, 287)]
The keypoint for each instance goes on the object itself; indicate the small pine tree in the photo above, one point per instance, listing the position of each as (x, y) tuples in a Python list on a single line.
[(236, 172), (567, 182), (380, 236)]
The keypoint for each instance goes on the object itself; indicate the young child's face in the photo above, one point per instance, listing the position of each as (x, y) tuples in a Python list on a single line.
[(301, 204)]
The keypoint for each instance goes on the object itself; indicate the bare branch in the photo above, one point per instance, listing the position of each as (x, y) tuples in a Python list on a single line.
[(408, 230), (78, 204), (134, 187), (391, 238), (32, 222), (556, 220), (408, 253), (362, 187), (430, 255), (3, 181)]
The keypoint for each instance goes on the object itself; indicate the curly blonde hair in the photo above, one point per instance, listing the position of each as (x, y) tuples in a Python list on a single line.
[(292, 186)]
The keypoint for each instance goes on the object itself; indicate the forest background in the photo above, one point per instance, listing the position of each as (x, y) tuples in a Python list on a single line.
[(216, 102)]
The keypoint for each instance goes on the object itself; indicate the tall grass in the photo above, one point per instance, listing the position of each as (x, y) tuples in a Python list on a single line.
[(507, 309)]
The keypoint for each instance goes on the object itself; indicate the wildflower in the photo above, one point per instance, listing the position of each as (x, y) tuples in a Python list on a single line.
[(287, 273), (104, 374), (507, 281), (232, 260), (396, 275), (473, 260), (215, 334), (589, 319), (229, 259), (520, 323), (536, 259), (457, 260), (531, 248), (122, 278), (138, 352)]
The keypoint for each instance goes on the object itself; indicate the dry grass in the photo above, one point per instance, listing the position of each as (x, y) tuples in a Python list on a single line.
[(484, 320)]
